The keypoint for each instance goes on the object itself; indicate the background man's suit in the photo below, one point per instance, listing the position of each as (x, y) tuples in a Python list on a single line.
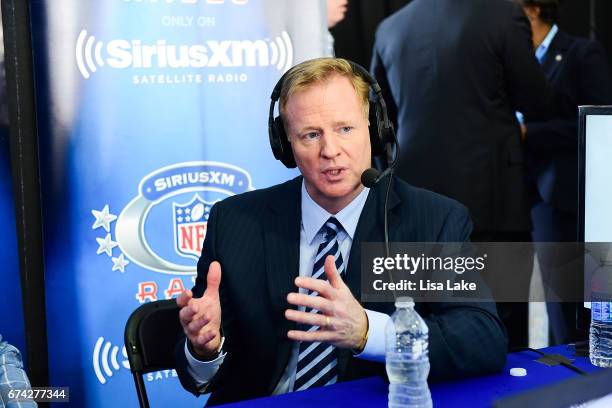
[(255, 237), (576, 67), (454, 72)]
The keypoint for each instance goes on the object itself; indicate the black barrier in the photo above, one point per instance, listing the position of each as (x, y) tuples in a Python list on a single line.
[(26, 187)]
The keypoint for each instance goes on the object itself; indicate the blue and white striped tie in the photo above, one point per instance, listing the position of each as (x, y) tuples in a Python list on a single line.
[(317, 362)]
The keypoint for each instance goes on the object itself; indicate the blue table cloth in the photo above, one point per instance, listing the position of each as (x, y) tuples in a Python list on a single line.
[(472, 392)]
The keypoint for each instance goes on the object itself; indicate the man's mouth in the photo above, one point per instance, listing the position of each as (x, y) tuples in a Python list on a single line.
[(333, 172)]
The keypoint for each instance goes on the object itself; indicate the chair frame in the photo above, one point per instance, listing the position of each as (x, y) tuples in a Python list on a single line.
[(146, 341)]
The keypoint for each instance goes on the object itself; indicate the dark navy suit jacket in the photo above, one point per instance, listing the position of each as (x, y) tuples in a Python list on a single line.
[(578, 68), (453, 74), (255, 236)]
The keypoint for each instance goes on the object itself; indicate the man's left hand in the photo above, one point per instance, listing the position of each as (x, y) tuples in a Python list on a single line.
[(341, 319)]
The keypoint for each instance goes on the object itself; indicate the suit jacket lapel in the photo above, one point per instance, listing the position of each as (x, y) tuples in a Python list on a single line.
[(282, 246), (370, 228), (557, 50)]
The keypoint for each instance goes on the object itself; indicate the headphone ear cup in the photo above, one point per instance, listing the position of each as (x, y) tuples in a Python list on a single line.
[(376, 141), (275, 137), (281, 146)]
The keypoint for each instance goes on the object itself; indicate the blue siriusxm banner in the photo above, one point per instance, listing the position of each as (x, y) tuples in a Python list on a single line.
[(150, 111)]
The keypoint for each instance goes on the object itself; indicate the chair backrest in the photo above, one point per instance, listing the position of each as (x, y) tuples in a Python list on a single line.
[(151, 334)]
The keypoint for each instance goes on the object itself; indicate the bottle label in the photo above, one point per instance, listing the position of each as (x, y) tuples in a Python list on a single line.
[(418, 347), (601, 312)]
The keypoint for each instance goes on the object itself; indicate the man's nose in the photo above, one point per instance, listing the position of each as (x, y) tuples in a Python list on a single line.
[(330, 146)]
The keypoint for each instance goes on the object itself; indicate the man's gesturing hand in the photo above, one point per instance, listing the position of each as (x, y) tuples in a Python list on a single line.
[(342, 320), (201, 317)]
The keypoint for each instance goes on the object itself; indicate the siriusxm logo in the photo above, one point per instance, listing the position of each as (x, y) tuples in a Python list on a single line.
[(106, 361), (189, 189), (92, 54), (105, 357)]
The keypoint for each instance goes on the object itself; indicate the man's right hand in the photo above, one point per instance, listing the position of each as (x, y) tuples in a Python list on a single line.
[(201, 317)]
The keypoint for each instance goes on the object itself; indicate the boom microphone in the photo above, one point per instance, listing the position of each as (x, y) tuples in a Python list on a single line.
[(371, 176)]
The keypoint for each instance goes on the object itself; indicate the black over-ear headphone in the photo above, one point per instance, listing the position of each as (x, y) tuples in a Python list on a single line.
[(382, 134)]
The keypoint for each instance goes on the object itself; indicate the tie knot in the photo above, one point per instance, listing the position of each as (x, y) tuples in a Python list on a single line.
[(331, 228)]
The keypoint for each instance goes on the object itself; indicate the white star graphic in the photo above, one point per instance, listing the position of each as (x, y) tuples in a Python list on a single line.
[(106, 245), (103, 218), (120, 263)]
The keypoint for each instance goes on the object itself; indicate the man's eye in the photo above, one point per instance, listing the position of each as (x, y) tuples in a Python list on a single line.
[(310, 136), (346, 129)]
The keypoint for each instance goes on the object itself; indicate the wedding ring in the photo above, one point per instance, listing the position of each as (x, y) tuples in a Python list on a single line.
[(327, 322)]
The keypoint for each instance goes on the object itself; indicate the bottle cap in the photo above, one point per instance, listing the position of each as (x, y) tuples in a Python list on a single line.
[(518, 372), (404, 301)]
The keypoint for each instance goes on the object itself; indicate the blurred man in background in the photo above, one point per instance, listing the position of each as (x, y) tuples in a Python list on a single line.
[(577, 68), (454, 73)]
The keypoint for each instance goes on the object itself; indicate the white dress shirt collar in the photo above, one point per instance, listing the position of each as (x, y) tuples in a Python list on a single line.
[(543, 48), (314, 216)]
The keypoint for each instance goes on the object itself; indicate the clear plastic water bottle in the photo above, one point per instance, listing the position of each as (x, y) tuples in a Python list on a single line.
[(407, 357), (600, 336), (600, 344)]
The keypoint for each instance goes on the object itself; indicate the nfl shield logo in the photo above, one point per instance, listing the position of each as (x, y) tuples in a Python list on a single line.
[(190, 221)]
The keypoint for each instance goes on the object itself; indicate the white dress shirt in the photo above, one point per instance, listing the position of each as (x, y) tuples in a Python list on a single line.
[(313, 218), (543, 48)]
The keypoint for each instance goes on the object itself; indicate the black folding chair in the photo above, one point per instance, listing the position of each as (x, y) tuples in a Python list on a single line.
[(151, 334)]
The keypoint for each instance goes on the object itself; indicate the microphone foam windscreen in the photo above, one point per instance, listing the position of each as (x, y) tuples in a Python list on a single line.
[(368, 177)]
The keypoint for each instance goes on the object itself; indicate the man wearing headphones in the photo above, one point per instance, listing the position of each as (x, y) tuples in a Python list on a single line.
[(275, 307)]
